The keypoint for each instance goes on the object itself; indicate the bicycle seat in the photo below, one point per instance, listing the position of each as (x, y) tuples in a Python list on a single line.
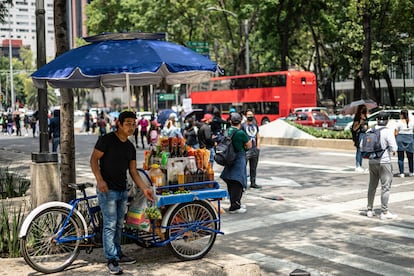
[(80, 186)]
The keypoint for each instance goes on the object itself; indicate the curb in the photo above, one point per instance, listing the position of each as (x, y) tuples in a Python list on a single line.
[(340, 144)]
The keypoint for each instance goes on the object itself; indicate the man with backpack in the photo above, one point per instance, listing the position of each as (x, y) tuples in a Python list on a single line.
[(380, 167)]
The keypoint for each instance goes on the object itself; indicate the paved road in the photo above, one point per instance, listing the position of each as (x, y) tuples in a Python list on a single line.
[(319, 226)]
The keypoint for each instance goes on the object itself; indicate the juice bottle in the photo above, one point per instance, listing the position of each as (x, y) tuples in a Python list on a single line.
[(156, 175)]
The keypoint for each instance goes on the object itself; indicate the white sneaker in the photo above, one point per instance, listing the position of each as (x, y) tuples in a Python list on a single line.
[(238, 211), (370, 213), (411, 174), (388, 215), (401, 175), (243, 206), (359, 170)]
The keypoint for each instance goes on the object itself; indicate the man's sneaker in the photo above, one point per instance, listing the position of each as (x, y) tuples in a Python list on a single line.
[(401, 175), (388, 215), (370, 213), (359, 170), (114, 267), (243, 206), (411, 174), (238, 211), (127, 260)]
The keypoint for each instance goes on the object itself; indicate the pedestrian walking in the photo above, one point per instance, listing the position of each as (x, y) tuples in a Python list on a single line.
[(235, 174), (143, 123), (153, 133), (87, 121), (33, 124), (102, 123), (18, 125), (170, 128), (26, 123), (252, 155), (359, 127), (190, 134), (111, 158), (380, 169), (54, 130), (205, 136), (217, 125), (405, 141)]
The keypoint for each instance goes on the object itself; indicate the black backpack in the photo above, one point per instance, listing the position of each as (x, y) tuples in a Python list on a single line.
[(225, 152)]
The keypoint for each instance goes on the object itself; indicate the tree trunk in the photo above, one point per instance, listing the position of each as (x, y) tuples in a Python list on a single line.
[(390, 89), (357, 88), (366, 57), (67, 136)]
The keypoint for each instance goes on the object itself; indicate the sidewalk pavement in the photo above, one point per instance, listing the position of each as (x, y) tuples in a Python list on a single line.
[(150, 261)]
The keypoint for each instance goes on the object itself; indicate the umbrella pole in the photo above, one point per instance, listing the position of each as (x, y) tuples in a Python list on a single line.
[(128, 91)]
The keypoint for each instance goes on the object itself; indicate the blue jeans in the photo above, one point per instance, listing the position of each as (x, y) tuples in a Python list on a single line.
[(401, 161), (212, 153), (55, 144), (113, 205), (358, 158)]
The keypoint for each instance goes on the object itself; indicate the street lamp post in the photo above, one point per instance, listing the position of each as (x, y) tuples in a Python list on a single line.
[(246, 34), (11, 68)]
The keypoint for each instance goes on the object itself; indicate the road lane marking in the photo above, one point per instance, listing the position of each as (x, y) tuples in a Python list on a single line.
[(324, 168), (348, 259), (395, 230), (280, 265), (323, 209)]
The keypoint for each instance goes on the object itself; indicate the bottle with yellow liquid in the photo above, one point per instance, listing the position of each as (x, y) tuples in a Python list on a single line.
[(156, 175)]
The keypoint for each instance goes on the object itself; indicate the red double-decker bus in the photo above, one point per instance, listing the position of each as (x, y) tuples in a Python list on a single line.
[(270, 95)]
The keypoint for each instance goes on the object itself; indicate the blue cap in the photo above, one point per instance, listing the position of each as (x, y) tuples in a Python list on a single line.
[(232, 110)]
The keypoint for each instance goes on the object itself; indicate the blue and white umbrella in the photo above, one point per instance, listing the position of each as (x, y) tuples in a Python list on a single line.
[(122, 60)]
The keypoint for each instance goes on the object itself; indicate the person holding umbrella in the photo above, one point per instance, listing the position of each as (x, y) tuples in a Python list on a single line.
[(359, 126)]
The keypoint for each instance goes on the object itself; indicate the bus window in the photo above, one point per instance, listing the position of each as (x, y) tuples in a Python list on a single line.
[(270, 108)]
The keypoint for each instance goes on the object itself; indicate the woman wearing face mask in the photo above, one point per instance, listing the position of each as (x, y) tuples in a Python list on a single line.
[(190, 134), (252, 155)]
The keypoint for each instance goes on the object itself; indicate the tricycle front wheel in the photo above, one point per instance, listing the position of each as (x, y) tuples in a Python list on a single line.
[(192, 228)]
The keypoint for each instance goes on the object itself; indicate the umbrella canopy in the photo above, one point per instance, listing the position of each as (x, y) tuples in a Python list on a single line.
[(164, 115), (122, 61), (353, 106)]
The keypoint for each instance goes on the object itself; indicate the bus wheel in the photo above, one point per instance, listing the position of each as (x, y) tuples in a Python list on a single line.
[(265, 121)]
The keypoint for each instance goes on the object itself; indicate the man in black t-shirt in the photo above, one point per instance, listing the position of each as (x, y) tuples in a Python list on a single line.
[(112, 156)]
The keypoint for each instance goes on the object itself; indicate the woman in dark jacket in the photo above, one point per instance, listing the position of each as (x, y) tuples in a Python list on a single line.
[(190, 134)]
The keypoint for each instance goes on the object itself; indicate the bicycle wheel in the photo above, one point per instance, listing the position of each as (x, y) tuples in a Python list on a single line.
[(39, 247), (188, 226)]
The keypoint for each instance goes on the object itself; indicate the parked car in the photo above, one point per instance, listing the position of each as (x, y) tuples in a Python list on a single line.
[(314, 119), (394, 118), (340, 121), (311, 109)]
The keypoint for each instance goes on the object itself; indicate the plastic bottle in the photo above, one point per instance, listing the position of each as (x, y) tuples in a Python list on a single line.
[(210, 172), (156, 175)]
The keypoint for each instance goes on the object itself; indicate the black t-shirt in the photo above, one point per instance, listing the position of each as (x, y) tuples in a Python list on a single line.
[(115, 161)]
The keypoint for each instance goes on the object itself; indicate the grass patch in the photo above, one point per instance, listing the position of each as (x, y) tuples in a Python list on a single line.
[(323, 133), (12, 184), (11, 219)]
